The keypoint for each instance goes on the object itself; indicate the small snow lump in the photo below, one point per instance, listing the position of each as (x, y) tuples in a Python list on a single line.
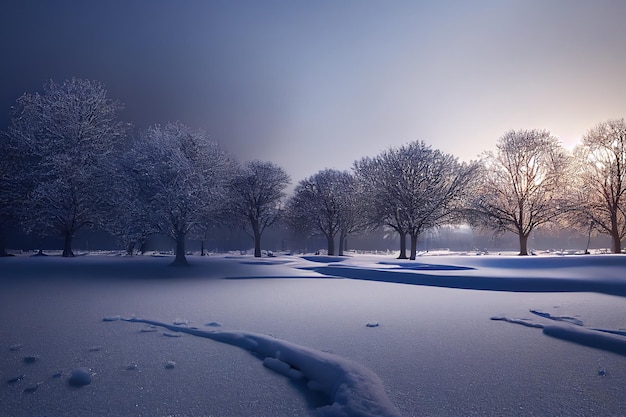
[(79, 377)]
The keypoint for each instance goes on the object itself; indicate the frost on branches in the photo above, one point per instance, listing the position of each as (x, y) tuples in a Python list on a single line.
[(414, 188), (179, 180), (257, 192), (67, 137)]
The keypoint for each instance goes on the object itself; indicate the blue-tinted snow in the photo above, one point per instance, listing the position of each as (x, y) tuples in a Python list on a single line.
[(436, 352)]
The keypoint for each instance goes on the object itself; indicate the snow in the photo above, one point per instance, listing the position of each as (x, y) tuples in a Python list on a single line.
[(290, 336)]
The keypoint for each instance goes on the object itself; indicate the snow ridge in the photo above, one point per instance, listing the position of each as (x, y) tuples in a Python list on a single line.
[(603, 339), (352, 389)]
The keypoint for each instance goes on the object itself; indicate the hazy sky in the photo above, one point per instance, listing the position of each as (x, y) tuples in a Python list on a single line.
[(317, 84)]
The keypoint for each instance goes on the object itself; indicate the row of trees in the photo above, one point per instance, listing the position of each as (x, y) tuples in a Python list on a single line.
[(67, 163)]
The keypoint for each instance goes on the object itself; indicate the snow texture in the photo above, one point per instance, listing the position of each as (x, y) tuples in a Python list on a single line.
[(435, 349), (353, 390)]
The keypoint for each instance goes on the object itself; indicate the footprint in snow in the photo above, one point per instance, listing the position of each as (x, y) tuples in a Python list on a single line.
[(32, 388), (16, 379)]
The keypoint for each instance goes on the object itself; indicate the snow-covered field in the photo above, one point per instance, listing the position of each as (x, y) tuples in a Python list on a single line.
[(290, 336)]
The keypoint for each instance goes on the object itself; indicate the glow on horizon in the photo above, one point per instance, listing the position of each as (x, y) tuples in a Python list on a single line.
[(314, 85)]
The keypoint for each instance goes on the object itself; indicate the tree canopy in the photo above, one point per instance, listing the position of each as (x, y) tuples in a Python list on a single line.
[(523, 185), (66, 137)]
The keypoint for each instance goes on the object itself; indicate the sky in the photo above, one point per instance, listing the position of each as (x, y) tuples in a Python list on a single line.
[(319, 84)]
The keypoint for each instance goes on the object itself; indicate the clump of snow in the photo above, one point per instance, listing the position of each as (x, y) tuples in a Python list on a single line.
[(79, 377), (352, 389)]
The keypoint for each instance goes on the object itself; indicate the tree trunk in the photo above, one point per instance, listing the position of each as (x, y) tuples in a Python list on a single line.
[(67, 246), (3, 249), (588, 239), (402, 245), (523, 244), (616, 242), (130, 248), (413, 246), (342, 237), (330, 239), (202, 248), (257, 242), (180, 259)]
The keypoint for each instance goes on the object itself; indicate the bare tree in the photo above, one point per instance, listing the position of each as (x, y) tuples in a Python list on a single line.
[(179, 178), (414, 188), (352, 209), (316, 205), (70, 132), (523, 185), (257, 195), (601, 171)]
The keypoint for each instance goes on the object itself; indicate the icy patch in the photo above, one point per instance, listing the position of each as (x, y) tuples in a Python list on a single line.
[(111, 318), (352, 389)]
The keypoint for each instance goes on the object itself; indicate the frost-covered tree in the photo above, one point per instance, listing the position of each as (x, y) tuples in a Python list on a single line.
[(69, 134), (316, 205), (352, 209), (13, 185), (600, 197), (413, 188), (257, 192), (523, 185), (179, 179), (123, 212)]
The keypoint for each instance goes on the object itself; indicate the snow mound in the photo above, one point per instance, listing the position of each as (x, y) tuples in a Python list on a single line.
[(352, 389)]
